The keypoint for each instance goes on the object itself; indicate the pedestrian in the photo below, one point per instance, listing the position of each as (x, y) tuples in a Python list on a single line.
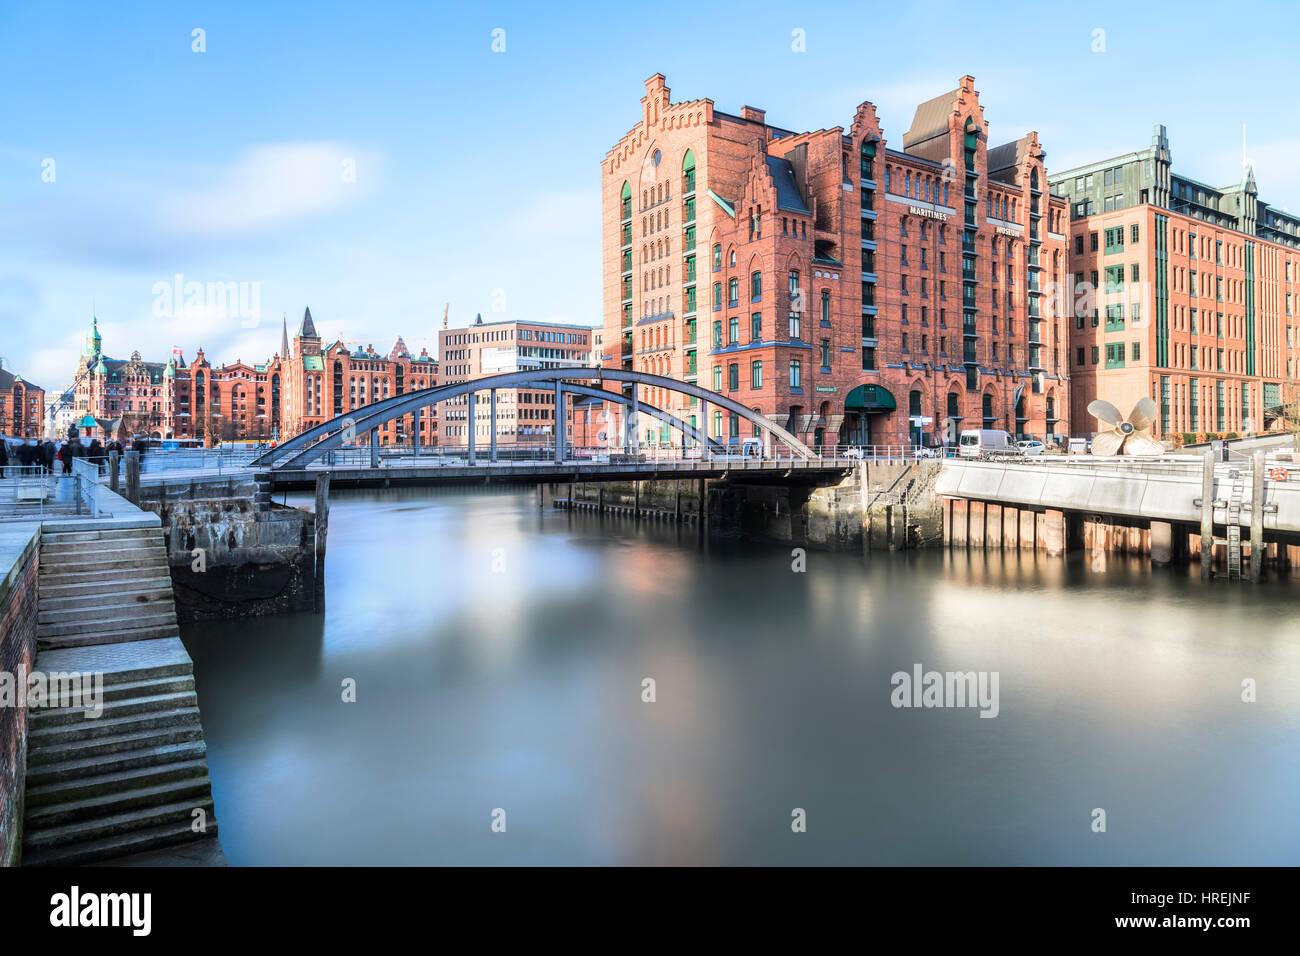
[(97, 455), (4, 455), (66, 456), (46, 456)]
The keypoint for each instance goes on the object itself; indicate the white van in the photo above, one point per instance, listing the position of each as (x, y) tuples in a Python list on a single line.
[(981, 442)]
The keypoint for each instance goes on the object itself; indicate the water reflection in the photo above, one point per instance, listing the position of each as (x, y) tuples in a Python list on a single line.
[(499, 652)]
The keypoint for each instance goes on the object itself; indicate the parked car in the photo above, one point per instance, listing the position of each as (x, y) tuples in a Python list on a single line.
[(985, 442), (1030, 447)]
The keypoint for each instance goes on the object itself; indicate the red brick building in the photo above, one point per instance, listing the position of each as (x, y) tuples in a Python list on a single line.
[(1189, 295), (22, 407), (850, 292), (302, 385)]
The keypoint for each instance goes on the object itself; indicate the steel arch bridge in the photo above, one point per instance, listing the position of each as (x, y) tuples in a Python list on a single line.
[(327, 436)]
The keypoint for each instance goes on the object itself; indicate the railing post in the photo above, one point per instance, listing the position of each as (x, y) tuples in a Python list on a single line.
[(374, 447), (469, 417), (114, 467), (493, 403)]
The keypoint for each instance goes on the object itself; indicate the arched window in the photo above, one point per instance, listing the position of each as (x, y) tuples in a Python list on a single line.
[(717, 258), (988, 410), (626, 197), (914, 402), (688, 172)]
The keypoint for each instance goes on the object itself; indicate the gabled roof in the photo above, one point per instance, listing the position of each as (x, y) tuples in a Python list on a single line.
[(788, 196), (930, 120), (7, 380)]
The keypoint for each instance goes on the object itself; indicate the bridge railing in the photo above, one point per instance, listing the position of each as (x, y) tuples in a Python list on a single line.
[(219, 460), (86, 478), (406, 456)]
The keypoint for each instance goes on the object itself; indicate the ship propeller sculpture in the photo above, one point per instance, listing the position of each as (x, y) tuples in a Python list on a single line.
[(1131, 436)]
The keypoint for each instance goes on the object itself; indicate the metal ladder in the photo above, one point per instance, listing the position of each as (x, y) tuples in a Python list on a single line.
[(1234, 525)]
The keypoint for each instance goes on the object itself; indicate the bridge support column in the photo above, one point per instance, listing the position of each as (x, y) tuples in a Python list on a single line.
[(1010, 528), (1256, 516), (492, 403), (415, 431), (704, 429), (1207, 514), (633, 441), (1162, 543), (677, 500), (993, 527), (558, 429), (975, 535), (959, 523), (374, 448), (704, 500), (636, 501), (600, 497), (1051, 532), (469, 417)]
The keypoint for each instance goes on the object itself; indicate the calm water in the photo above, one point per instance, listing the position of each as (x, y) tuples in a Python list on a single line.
[(499, 652)]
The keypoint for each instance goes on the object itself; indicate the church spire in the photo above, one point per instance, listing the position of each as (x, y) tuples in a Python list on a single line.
[(284, 337)]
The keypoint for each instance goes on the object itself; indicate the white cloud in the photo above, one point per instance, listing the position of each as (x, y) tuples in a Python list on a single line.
[(269, 186)]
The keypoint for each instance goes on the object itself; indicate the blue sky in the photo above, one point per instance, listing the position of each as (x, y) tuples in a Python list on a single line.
[(477, 173)]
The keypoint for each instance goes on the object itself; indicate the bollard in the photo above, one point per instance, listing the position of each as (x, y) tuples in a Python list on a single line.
[(322, 523), (1207, 515), (114, 466), (133, 477)]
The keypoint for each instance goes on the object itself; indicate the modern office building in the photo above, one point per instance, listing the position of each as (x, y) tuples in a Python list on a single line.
[(850, 291), (524, 416), (1184, 292)]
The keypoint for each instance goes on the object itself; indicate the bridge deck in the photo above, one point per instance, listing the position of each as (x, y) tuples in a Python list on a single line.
[(1165, 489), (533, 472)]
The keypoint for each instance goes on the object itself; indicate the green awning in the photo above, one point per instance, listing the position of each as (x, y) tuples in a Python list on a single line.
[(870, 398), (88, 421)]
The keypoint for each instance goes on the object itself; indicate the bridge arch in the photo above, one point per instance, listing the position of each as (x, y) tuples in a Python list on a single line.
[(330, 435)]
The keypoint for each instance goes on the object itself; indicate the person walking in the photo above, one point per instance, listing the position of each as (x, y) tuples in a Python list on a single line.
[(46, 456), (96, 455), (65, 456)]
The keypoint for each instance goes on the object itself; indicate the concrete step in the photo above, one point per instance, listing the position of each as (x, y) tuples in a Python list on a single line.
[(61, 550), (110, 597), (102, 582), (122, 663), (117, 845), (148, 688), (40, 841), (151, 758), (65, 751), (51, 735), (64, 524), (97, 614), (87, 785), (124, 636), (43, 719), (196, 788), (103, 561), (144, 615), (153, 533)]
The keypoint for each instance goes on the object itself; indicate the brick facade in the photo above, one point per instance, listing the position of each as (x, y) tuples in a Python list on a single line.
[(1185, 293), (22, 407), (830, 283), (17, 655)]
